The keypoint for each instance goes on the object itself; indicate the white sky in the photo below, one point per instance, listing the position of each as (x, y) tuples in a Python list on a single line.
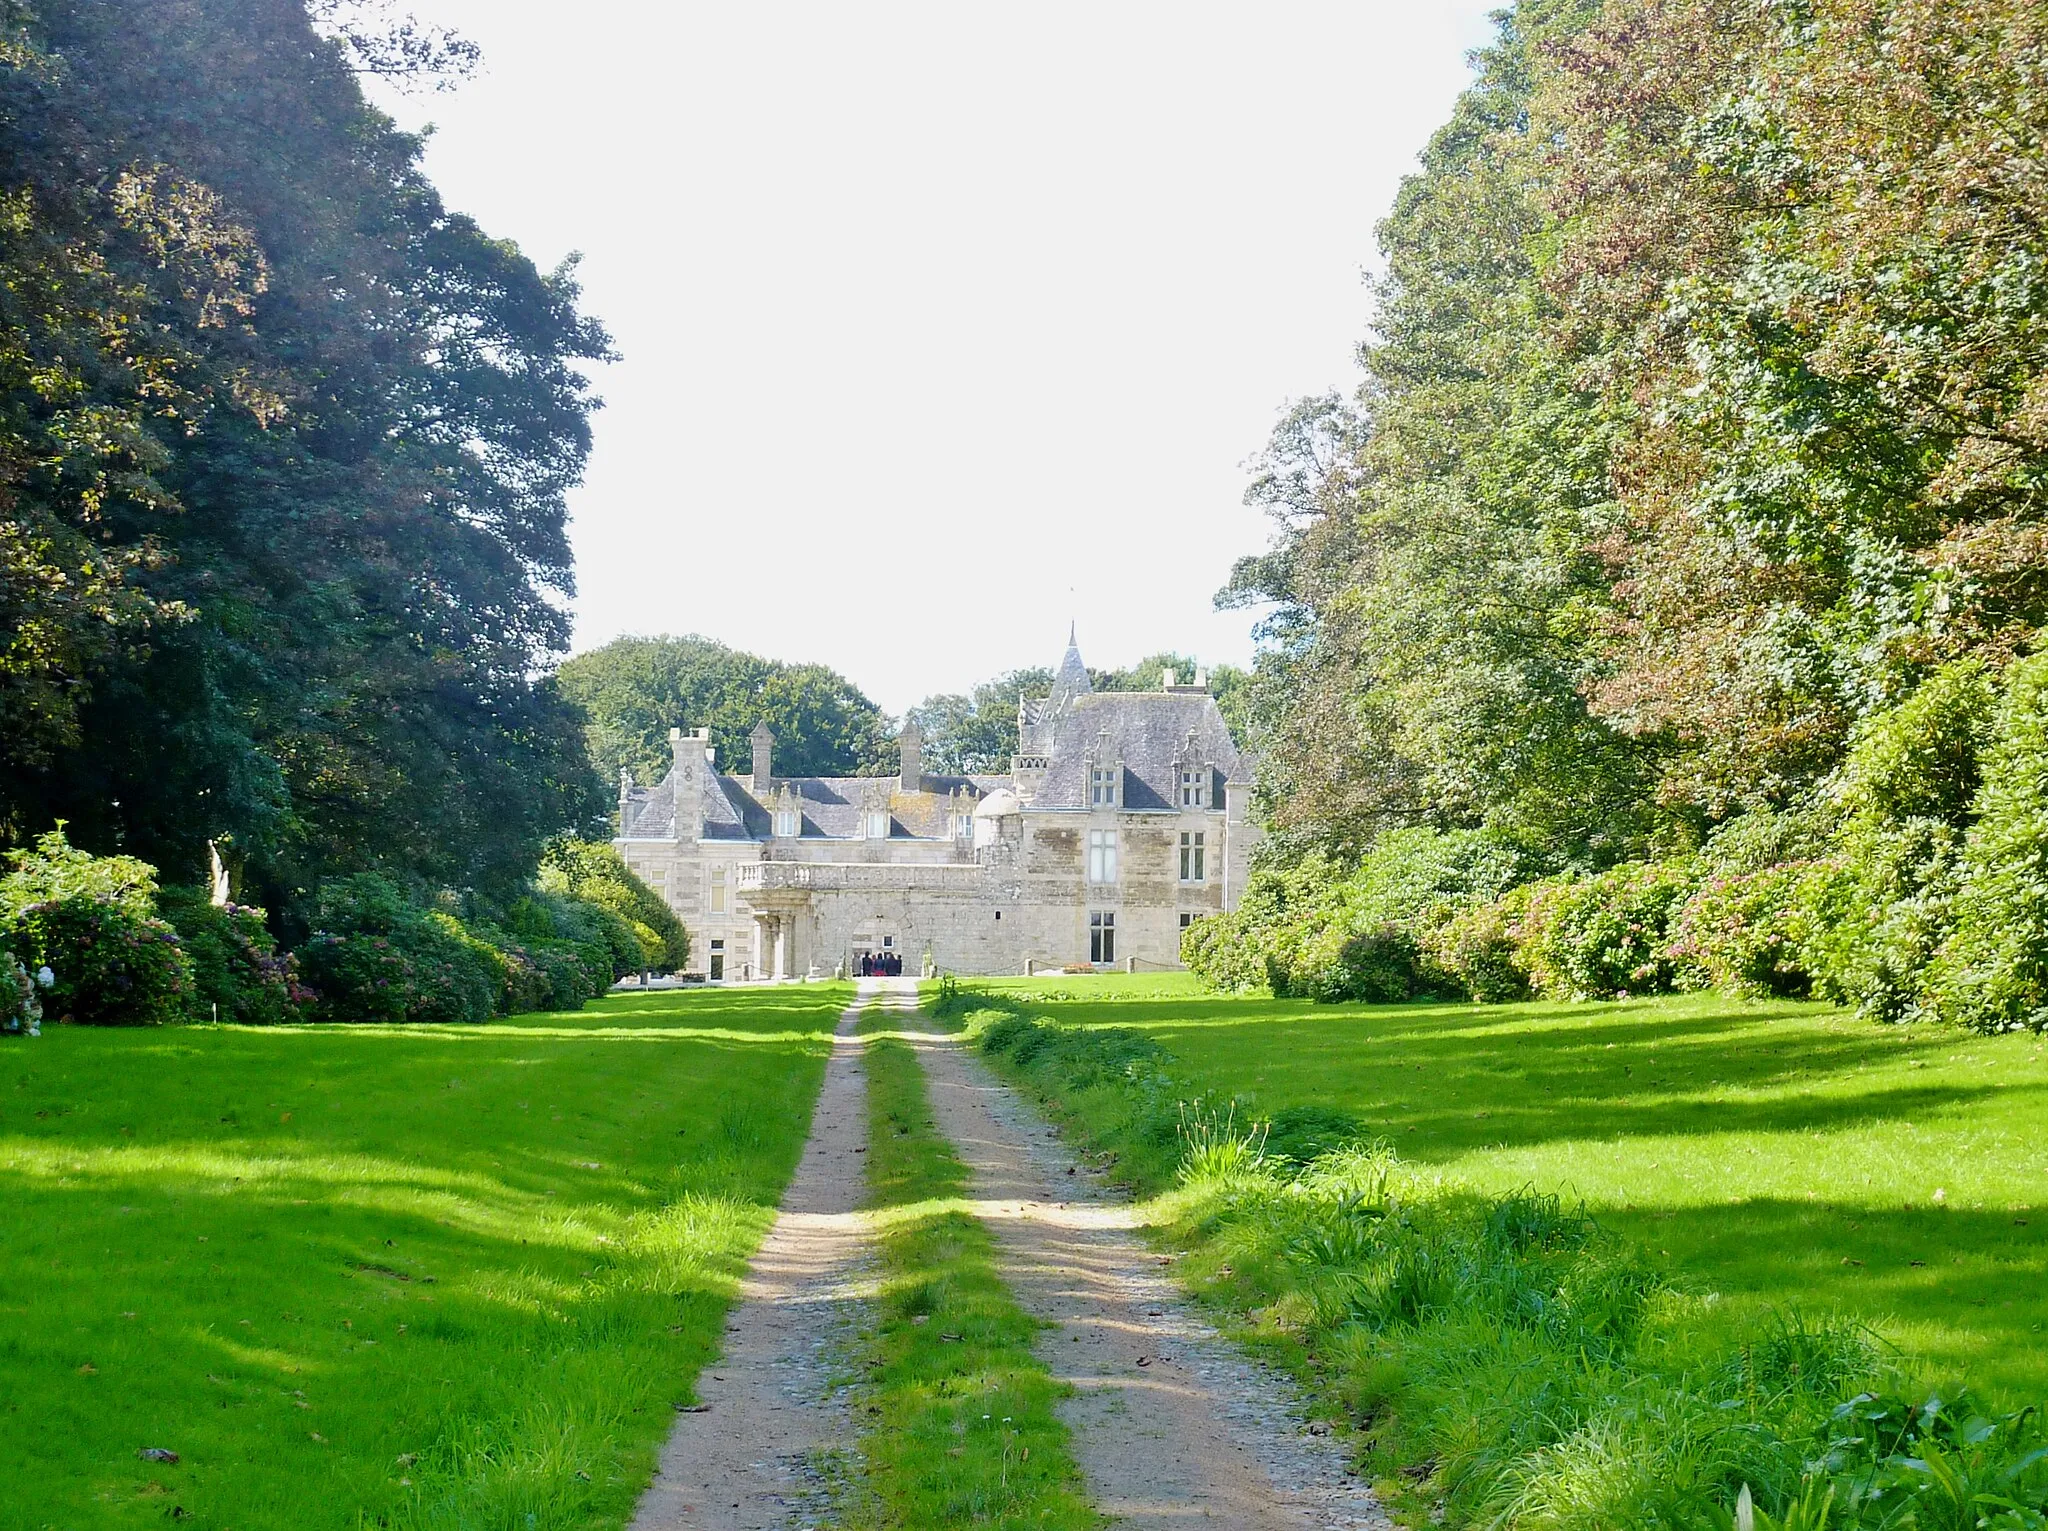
[(942, 323)]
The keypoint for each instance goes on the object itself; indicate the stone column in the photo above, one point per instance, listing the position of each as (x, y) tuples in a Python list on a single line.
[(764, 946), (781, 928)]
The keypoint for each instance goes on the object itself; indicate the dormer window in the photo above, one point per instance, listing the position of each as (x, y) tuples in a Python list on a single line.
[(961, 825), (1102, 787), (1193, 790), (785, 823), (877, 826)]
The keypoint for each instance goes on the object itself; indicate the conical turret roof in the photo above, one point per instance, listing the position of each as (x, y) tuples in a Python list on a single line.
[(1072, 679)]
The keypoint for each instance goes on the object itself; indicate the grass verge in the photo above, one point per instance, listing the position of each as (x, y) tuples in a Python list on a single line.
[(407, 1277), (1510, 1359), (958, 1411)]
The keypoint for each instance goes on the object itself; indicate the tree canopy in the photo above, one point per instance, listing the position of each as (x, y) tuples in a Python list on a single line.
[(1701, 422), (634, 690), (284, 445)]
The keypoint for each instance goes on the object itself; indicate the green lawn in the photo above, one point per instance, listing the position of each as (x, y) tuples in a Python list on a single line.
[(1786, 1151), (381, 1276)]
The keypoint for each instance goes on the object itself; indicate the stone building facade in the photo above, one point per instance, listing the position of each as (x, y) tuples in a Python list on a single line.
[(1123, 817)]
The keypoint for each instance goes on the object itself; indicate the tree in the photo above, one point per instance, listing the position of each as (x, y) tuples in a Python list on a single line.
[(634, 690), (325, 560), (976, 734)]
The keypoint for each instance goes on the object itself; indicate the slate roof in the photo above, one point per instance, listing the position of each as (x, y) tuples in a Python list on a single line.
[(833, 806), (1038, 721), (1148, 730)]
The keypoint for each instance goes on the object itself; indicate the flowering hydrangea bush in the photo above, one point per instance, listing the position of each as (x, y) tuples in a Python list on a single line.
[(21, 1007), (110, 966), (239, 973)]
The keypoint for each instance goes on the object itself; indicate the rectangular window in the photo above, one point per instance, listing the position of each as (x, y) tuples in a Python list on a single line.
[(963, 826), (1102, 937), (1102, 857), (1191, 793), (1193, 856), (718, 890), (785, 823), (878, 826), (1102, 786), (1187, 918)]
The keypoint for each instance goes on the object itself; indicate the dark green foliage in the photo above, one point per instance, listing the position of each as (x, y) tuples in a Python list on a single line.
[(92, 921), (238, 973), (634, 690), (376, 956), (285, 446), (21, 999), (113, 966), (977, 733)]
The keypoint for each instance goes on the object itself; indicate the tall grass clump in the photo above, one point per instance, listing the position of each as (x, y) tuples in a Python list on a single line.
[(1506, 1360)]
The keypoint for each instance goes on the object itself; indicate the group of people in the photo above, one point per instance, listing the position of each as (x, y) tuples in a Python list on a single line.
[(881, 965)]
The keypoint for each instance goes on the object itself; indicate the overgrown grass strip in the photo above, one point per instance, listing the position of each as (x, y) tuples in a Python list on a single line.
[(959, 1412), (1508, 1361)]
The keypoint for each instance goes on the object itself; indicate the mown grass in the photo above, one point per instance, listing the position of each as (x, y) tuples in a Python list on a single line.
[(1526, 1364), (958, 1413), (382, 1276)]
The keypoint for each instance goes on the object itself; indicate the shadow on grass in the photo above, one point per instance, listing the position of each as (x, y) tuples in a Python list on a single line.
[(313, 1267)]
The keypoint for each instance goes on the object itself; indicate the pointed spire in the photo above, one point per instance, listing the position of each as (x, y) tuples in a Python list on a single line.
[(1072, 679)]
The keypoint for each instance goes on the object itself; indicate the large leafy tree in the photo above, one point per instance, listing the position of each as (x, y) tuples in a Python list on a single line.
[(1701, 423), (634, 690), (1432, 590), (975, 732), (289, 563)]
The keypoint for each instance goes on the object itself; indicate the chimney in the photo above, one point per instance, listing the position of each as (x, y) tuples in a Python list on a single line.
[(693, 759), (763, 741), (911, 742), (1166, 678)]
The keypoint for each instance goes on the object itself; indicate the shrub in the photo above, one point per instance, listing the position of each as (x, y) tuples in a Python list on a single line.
[(1741, 933), (1601, 937), (111, 966), (595, 873), (1476, 948), (238, 973), (526, 984), (378, 957), (54, 870), (1877, 909), (21, 1005), (1992, 971), (363, 978), (1321, 931), (569, 981)]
